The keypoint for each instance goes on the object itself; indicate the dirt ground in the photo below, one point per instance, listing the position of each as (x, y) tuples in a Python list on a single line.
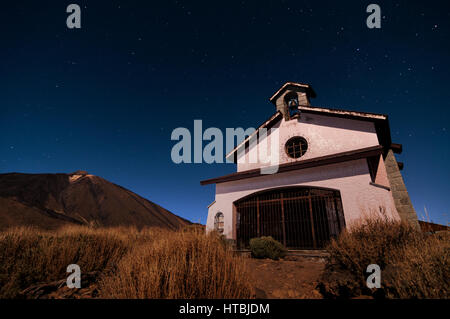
[(294, 277)]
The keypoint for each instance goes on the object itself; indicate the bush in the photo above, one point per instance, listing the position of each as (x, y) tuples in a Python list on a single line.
[(413, 265), (267, 247)]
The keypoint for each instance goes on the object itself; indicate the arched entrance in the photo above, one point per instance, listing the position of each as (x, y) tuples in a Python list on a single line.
[(298, 217)]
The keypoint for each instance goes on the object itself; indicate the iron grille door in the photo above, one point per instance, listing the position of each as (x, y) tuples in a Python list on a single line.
[(299, 217)]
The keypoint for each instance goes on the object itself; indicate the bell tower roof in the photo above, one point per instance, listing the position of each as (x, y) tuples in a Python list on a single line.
[(293, 86)]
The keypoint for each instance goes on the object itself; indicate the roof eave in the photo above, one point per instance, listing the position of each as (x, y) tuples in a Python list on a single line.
[(313, 162), (267, 124)]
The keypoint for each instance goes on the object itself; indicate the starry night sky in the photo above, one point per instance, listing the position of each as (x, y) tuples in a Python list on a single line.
[(105, 98)]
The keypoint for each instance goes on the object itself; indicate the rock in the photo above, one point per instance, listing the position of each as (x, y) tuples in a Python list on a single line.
[(58, 289), (339, 284), (260, 294), (79, 172)]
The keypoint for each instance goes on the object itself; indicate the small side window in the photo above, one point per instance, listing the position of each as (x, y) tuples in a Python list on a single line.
[(218, 222)]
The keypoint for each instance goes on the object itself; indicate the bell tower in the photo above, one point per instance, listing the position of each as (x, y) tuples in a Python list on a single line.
[(290, 97)]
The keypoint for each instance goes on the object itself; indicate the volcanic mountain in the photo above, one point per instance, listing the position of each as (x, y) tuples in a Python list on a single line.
[(52, 200)]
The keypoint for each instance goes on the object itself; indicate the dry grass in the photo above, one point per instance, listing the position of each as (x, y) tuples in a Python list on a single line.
[(147, 263), (29, 256), (413, 265), (179, 265), (421, 270)]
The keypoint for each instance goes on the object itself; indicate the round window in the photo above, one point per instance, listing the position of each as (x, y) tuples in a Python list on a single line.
[(296, 147)]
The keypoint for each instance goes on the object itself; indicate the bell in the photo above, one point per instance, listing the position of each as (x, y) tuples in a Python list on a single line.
[(293, 103)]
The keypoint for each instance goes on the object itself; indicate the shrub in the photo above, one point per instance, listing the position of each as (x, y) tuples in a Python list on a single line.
[(179, 265), (413, 265), (267, 247)]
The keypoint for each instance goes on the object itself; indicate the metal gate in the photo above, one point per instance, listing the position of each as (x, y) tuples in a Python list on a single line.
[(298, 217)]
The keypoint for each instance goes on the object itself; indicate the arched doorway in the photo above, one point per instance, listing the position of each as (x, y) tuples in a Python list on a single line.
[(298, 217)]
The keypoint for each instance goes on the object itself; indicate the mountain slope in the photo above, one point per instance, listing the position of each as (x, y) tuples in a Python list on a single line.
[(52, 200)]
